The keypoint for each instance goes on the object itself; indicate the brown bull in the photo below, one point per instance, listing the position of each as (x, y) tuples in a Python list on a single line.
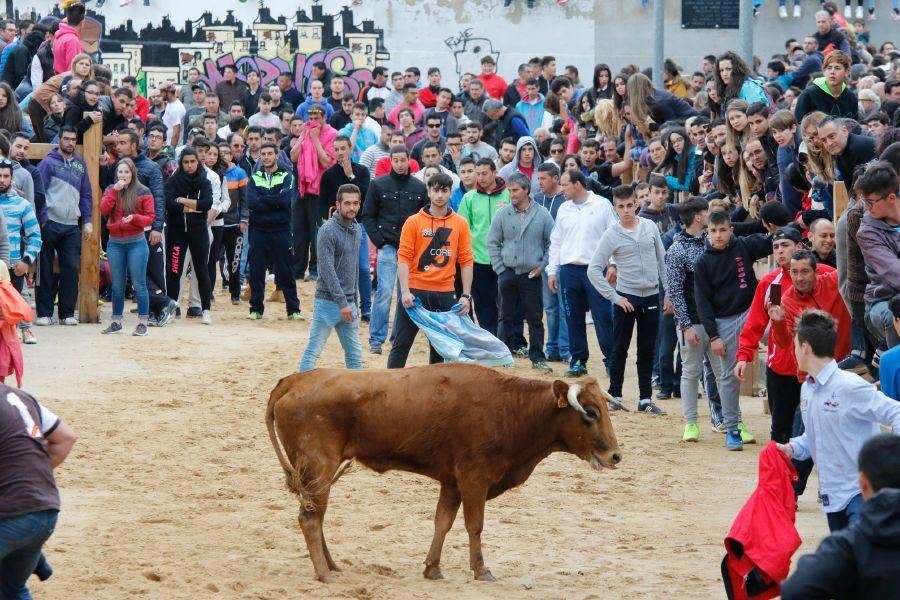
[(477, 431)]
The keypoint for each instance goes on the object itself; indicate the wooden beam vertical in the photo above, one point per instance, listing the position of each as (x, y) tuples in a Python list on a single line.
[(841, 199), (89, 279)]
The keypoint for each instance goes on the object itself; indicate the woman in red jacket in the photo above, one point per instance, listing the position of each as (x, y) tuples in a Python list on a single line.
[(129, 207)]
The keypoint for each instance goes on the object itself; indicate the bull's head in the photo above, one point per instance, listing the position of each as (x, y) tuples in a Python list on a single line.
[(586, 427)]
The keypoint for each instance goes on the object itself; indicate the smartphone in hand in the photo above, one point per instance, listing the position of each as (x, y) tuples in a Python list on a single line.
[(775, 294)]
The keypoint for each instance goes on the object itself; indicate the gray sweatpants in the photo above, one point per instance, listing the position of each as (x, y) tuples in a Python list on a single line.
[(723, 367)]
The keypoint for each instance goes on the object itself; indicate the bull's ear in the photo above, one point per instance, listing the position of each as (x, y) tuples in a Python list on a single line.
[(560, 391)]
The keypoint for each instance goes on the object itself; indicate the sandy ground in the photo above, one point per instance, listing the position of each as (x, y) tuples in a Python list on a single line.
[(173, 490)]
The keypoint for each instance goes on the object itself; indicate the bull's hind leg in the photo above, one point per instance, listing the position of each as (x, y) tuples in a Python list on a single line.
[(330, 561), (447, 507), (312, 515), (473, 499)]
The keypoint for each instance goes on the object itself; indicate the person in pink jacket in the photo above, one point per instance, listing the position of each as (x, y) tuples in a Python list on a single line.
[(67, 40)]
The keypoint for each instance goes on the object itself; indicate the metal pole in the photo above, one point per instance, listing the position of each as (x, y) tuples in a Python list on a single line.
[(746, 31), (659, 11)]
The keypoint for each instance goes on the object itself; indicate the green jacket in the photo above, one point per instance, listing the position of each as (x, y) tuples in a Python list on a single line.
[(478, 208)]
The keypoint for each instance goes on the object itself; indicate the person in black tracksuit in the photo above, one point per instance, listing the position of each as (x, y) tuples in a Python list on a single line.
[(270, 189), (188, 198)]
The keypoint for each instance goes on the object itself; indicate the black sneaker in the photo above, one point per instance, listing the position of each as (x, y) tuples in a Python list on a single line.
[(647, 406), (235, 300), (194, 312), (153, 321), (520, 352), (177, 312), (366, 318), (169, 312), (113, 328), (854, 364), (140, 330), (663, 394), (554, 358)]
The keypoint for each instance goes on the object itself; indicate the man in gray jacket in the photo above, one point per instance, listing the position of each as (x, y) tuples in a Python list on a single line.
[(635, 246), (519, 247), (335, 307)]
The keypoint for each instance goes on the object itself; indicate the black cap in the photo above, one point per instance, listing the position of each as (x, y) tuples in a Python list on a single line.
[(200, 86), (787, 233)]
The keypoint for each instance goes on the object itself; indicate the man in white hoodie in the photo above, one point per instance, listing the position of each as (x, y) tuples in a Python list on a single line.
[(635, 246)]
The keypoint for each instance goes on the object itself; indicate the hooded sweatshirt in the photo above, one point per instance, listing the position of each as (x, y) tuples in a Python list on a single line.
[(20, 224), (19, 60), (724, 280), (66, 46), (681, 260), (390, 200), (432, 247), (859, 562), (639, 258), (513, 167), (67, 189), (880, 246), (337, 245), (143, 215), (478, 208), (817, 97), (533, 112)]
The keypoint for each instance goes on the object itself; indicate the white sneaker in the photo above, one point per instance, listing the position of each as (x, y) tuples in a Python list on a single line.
[(43, 321), (206, 319), (70, 321), (859, 12), (797, 9), (782, 12), (848, 12)]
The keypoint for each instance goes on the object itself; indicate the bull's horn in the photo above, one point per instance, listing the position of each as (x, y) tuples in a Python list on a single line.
[(572, 396)]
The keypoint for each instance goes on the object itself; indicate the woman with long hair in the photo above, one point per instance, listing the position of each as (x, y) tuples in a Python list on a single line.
[(81, 67), (232, 234), (585, 114), (820, 163), (188, 199), (619, 91), (727, 170), (712, 94), (128, 206), (601, 88), (678, 163), (10, 113), (213, 161), (737, 124), (607, 119), (87, 100), (649, 105), (734, 80)]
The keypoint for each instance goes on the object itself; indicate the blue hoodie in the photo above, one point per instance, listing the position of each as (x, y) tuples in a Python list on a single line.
[(21, 223), (303, 109), (533, 113), (67, 189)]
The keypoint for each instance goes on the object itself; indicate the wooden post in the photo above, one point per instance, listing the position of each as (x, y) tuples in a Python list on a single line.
[(841, 199), (89, 280), (89, 276)]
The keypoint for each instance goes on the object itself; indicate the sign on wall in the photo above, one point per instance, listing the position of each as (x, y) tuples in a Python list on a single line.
[(710, 14)]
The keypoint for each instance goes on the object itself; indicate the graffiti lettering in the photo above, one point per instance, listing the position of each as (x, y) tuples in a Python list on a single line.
[(338, 60)]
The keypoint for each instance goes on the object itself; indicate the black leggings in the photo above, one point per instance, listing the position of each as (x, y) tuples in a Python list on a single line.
[(233, 240), (215, 248), (178, 242), (37, 114)]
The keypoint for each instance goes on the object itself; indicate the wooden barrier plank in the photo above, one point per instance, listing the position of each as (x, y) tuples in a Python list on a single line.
[(841, 199), (89, 281)]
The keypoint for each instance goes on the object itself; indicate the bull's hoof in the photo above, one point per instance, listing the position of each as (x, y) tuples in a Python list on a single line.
[(335, 568), (324, 577), (485, 575), (433, 573)]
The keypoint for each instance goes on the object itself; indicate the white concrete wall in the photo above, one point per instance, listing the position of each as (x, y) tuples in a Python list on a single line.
[(583, 32)]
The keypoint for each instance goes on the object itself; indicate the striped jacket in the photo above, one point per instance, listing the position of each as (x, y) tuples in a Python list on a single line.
[(22, 226)]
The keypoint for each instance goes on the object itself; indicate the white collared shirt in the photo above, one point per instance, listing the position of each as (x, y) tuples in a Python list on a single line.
[(578, 229)]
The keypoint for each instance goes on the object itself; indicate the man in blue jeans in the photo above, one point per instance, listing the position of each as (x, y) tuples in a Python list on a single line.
[(33, 441), (337, 248), (391, 199), (579, 225)]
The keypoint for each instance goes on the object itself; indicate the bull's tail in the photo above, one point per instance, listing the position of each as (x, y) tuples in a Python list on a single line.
[(276, 395)]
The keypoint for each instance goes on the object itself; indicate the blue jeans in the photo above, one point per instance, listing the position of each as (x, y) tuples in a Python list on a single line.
[(130, 256), (21, 539), (386, 271), (327, 316), (557, 329), (847, 516), (365, 278), (579, 296)]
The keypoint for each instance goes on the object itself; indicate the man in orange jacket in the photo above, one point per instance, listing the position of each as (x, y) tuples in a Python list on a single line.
[(432, 242)]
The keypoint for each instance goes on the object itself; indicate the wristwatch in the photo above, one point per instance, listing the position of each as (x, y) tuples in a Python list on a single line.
[(467, 297)]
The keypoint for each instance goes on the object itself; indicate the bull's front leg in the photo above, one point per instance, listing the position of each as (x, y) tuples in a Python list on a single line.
[(473, 499), (447, 507)]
